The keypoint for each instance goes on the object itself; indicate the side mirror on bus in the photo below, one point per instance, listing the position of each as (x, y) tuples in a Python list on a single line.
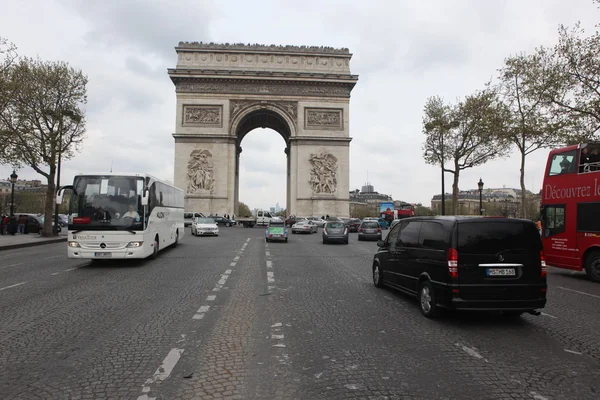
[(60, 193), (145, 198)]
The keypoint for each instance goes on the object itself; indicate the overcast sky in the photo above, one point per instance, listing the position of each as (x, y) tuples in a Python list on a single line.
[(403, 51)]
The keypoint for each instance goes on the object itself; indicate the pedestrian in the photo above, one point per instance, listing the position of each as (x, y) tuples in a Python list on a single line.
[(6, 219), (22, 221)]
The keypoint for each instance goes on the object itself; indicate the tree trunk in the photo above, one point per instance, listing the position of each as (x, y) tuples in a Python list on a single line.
[(455, 190), (49, 206), (523, 195)]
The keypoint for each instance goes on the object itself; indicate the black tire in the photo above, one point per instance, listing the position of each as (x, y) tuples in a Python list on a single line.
[(346, 241), (324, 241), (266, 240), (592, 266), (155, 253), (377, 276), (228, 224), (176, 238), (427, 300), (286, 240), (360, 239)]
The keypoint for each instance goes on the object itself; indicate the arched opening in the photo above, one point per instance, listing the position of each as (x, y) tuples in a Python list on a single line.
[(271, 166)]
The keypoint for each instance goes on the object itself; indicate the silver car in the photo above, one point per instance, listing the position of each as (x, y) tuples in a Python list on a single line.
[(335, 231), (304, 226), (369, 230)]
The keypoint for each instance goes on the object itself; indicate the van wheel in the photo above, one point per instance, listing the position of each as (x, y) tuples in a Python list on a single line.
[(377, 276), (592, 266), (427, 301), (155, 251)]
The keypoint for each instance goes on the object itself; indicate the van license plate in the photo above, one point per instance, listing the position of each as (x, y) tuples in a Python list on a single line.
[(501, 272), (103, 254)]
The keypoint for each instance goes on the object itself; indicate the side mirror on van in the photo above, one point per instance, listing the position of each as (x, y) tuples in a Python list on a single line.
[(380, 243), (60, 193)]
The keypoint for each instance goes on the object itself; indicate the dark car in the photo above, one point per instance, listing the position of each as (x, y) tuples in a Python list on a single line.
[(353, 224), (335, 231), (291, 220), (369, 230), (465, 263), (222, 221)]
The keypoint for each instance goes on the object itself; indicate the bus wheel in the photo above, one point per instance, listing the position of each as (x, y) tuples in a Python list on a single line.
[(155, 248), (592, 266)]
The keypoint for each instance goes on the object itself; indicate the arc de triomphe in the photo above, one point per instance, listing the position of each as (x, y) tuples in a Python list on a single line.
[(224, 91)]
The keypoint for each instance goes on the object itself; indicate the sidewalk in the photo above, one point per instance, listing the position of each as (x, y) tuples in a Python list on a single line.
[(8, 242)]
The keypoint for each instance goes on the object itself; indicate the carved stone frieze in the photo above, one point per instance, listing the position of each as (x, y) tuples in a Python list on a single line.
[(200, 172), (262, 88), (203, 115), (288, 107), (263, 47), (323, 172), (324, 118)]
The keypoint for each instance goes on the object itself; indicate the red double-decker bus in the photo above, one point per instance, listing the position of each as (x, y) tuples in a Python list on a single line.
[(571, 209)]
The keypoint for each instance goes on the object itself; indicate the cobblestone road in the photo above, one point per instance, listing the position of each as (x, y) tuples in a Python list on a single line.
[(234, 317)]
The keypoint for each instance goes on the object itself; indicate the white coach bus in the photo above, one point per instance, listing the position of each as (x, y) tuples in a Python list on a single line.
[(118, 215)]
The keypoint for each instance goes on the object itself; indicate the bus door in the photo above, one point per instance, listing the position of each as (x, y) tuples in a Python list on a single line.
[(560, 239)]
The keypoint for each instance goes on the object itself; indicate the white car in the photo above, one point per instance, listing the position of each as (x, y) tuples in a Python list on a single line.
[(304, 226), (205, 227)]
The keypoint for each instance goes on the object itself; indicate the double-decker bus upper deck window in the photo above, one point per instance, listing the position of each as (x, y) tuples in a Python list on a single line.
[(563, 163), (554, 219), (587, 217)]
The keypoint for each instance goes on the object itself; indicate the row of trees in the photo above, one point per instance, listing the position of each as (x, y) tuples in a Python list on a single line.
[(42, 116), (541, 100)]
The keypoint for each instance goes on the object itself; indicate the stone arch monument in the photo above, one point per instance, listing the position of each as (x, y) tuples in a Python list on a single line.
[(226, 90)]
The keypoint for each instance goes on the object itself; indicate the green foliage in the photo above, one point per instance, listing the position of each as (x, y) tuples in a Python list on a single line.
[(363, 211), (421, 211), (41, 117), (243, 210)]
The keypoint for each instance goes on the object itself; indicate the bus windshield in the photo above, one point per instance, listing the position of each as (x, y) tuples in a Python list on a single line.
[(107, 203)]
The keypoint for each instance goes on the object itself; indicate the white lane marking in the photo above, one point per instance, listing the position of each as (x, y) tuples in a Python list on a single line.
[(247, 240), (577, 291), (270, 277), (12, 286), (232, 264), (163, 371), (276, 325), (279, 345), (268, 253), (211, 298), (470, 351), (274, 336), (203, 309), (537, 396), (573, 352), (56, 273), (549, 316), (236, 258), (47, 258), (227, 271), (198, 316), (70, 269), (11, 265), (223, 279), (269, 264)]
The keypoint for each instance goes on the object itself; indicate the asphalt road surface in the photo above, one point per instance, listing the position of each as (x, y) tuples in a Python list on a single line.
[(234, 317)]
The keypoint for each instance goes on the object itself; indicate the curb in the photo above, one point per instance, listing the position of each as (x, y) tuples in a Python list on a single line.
[(31, 244)]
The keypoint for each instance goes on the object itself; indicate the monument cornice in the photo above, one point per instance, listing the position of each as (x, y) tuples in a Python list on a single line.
[(278, 87), (262, 48), (321, 139), (181, 73)]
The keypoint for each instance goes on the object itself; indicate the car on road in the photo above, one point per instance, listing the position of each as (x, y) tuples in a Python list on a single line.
[(304, 226), (335, 231), (205, 227), (320, 222), (369, 230), (353, 224), (188, 217), (465, 263), (222, 221), (276, 231)]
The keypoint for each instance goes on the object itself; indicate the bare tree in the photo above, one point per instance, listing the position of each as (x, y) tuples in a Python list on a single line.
[(468, 134), (44, 119), (532, 123)]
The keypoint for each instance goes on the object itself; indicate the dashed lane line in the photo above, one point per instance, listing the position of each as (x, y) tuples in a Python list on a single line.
[(162, 372), (577, 291), (55, 273), (470, 351), (269, 264), (549, 316), (211, 297), (11, 265), (573, 352), (232, 264), (12, 286), (70, 269), (201, 311)]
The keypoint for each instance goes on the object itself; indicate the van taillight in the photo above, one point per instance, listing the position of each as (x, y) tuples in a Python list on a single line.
[(360, 229), (379, 229), (543, 264), (453, 263)]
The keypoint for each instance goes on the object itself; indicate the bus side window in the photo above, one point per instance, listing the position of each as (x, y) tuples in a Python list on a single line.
[(554, 220), (563, 163)]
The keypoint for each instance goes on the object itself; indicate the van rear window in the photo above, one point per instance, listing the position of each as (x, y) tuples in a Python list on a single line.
[(494, 237)]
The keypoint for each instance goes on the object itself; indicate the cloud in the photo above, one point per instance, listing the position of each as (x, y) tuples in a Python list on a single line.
[(403, 52)]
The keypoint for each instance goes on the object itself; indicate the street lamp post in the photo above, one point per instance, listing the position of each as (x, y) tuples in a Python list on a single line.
[(480, 185), (443, 183), (13, 180)]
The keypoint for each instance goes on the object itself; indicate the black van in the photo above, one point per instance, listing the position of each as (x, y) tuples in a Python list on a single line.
[(465, 263)]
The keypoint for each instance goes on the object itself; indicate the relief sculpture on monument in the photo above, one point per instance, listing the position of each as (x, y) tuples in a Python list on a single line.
[(200, 172), (202, 115), (323, 172)]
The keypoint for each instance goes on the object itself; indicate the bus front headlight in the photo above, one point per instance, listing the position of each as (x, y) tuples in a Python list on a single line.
[(73, 244), (135, 244)]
